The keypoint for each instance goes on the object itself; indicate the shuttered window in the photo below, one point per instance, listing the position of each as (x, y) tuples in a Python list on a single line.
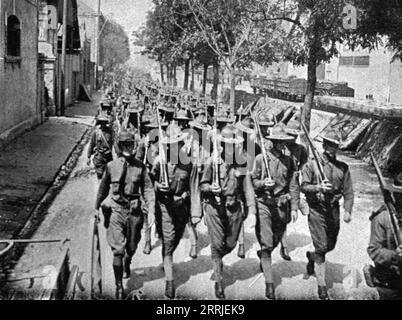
[(357, 61)]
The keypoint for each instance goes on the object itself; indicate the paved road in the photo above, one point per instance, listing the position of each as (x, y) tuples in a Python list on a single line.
[(71, 213)]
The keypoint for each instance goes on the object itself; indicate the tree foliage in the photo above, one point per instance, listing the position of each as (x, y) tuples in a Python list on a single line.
[(114, 45)]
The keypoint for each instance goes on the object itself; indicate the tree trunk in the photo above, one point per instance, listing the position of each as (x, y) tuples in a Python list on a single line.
[(311, 86), (174, 75), (232, 88), (204, 79), (310, 92), (162, 74), (214, 91), (186, 73), (192, 76), (167, 74)]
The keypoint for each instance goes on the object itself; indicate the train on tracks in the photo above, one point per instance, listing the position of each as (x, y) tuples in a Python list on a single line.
[(294, 89)]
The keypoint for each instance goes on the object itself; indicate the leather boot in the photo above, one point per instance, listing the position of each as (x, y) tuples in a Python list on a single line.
[(118, 275), (120, 295), (285, 254), (241, 252), (193, 252), (310, 263), (170, 291), (219, 291), (127, 270), (147, 248), (322, 293), (270, 291)]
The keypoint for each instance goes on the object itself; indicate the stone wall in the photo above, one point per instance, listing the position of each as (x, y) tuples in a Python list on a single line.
[(19, 104)]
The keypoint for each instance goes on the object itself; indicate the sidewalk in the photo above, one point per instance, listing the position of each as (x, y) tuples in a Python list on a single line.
[(30, 163)]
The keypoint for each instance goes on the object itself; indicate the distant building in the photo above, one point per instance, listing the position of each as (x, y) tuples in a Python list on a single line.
[(372, 74), (50, 45), (20, 79)]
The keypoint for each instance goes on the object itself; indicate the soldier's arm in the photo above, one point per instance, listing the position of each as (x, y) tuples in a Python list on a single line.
[(294, 187), (206, 179), (308, 184), (104, 188), (348, 193), (155, 170), (141, 151), (303, 156), (256, 174), (148, 192), (377, 250), (249, 192)]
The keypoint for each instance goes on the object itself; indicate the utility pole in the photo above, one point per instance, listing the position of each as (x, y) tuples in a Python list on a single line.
[(63, 62), (97, 45)]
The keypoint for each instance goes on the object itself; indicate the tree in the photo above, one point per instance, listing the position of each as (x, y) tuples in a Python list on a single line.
[(114, 46), (380, 23), (227, 28), (315, 28)]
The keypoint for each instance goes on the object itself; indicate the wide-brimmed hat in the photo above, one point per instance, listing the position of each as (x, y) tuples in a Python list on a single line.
[(154, 124), (278, 133), (105, 103), (126, 136), (332, 137), (230, 135), (200, 125), (266, 120), (182, 115), (135, 108), (396, 186), (246, 126), (126, 100), (174, 135), (102, 118), (293, 128), (168, 108)]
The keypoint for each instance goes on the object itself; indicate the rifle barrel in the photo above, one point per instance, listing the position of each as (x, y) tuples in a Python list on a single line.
[(315, 154), (388, 203)]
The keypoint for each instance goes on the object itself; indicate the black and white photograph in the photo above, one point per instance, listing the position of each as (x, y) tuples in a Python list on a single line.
[(216, 151)]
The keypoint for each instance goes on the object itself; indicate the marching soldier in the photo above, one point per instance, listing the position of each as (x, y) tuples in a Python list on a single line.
[(298, 153), (172, 182), (200, 148), (323, 197), (386, 274), (277, 194), (100, 146), (223, 185), (128, 181), (182, 119)]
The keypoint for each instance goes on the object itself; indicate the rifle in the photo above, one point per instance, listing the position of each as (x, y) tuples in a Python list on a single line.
[(164, 179), (215, 159), (389, 203), (317, 158), (263, 151)]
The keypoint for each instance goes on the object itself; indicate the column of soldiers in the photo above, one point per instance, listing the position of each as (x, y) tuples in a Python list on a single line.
[(179, 159)]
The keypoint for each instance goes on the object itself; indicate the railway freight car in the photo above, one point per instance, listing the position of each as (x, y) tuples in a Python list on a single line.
[(294, 89)]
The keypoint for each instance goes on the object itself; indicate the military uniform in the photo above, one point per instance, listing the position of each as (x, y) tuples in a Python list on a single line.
[(224, 220), (126, 181), (324, 221), (382, 250), (274, 206), (386, 275), (173, 204), (223, 213), (101, 146)]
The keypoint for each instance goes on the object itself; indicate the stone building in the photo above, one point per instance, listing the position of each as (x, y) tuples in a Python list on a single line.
[(50, 45), (20, 78), (374, 75)]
